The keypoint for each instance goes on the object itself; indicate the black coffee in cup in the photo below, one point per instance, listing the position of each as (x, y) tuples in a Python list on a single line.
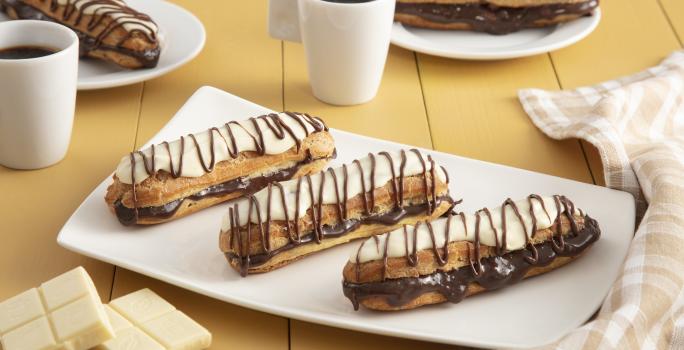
[(25, 52)]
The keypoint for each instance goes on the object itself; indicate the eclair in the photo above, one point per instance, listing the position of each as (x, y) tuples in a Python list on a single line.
[(289, 220), (173, 179), (459, 255), (491, 16), (108, 29)]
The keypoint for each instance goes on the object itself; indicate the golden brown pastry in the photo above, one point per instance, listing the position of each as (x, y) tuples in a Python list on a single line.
[(107, 29), (291, 219), (173, 179), (491, 16), (460, 255)]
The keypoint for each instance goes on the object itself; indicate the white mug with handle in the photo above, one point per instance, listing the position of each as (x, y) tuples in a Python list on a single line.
[(346, 43), (37, 95)]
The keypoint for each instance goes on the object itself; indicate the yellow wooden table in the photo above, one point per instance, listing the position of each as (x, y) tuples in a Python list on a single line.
[(461, 107)]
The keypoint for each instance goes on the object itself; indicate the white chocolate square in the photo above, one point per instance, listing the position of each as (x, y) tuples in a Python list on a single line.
[(177, 331), (64, 313), (20, 309), (35, 335), (131, 339), (118, 322), (79, 324), (66, 288), (141, 306), (168, 329)]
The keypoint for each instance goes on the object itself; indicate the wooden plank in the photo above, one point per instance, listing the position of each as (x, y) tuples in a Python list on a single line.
[(674, 10), (39, 202), (633, 35), (241, 59), (397, 113), (474, 112), (308, 336)]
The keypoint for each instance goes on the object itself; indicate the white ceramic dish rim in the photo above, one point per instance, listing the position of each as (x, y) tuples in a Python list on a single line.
[(404, 40), (309, 316)]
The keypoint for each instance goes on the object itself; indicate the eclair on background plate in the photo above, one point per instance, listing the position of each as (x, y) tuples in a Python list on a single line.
[(109, 30), (491, 16)]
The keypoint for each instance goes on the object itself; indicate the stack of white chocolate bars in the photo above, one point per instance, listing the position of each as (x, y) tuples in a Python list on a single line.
[(66, 313)]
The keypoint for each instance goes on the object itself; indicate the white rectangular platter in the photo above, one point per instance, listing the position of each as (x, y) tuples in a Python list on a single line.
[(537, 311)]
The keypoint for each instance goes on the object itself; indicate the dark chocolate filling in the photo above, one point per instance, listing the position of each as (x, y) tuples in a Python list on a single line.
[(491, 18), (147, 58), (345, 226), (249, 185), (497, 272)]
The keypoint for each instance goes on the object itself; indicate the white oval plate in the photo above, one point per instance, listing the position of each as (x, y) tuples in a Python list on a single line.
[(482, 46), (534, 312), (182, 36)]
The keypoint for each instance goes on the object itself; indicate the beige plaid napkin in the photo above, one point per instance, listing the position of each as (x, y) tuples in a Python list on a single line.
[(637, 124)]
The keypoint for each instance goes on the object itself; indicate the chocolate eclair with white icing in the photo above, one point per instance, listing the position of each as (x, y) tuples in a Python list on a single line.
[(460, 255), (109, 30), (173, 179), (491, 16), (289, 220)]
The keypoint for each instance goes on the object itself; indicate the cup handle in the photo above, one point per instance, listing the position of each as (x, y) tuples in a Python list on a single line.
[(283, 20)]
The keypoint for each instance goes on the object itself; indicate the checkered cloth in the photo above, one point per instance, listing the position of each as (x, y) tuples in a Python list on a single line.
[(637, 124)]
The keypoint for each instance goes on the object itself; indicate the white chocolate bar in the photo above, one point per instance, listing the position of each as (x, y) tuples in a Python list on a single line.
[(63, 313), (144, 321)]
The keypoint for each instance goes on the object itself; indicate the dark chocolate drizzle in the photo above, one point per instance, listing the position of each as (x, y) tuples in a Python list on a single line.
[(272, 120), (493, 19), (503, 269), (74, 11), (239, 244)]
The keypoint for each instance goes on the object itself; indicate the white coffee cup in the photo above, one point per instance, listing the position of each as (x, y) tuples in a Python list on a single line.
[(37, 95), (346, 44)]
